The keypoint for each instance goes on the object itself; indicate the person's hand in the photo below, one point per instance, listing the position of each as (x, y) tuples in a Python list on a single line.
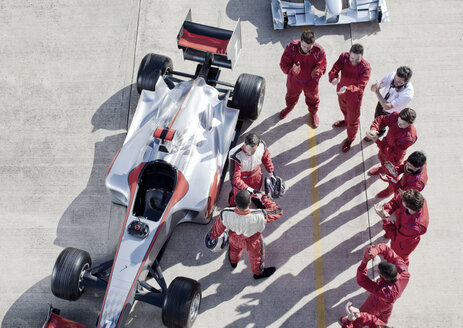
[(372, 135), (366, 255), (297, 68), (342, 90), (353, 316), (352, 312), (379, 209), (315, 74), (373, 251), (335, 81), (401, 192), (376, 86)]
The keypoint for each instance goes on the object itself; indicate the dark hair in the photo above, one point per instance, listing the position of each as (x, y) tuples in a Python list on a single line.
[(408, 115), (388, 270), (243, 199), (405, 73), (308, 37), (252, 139), (356, 49), (413, 199), (417, 159)]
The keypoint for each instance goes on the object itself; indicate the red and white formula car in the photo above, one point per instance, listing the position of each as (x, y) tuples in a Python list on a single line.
[(168, 171)]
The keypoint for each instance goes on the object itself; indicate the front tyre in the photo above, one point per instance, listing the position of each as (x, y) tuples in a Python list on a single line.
[(181, 305), (151, 68), (68, 273), (248, 96)]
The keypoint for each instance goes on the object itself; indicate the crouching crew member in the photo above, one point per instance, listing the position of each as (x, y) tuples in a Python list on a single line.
[(393, 278), (411, 221), (245, 169), (245, 227)]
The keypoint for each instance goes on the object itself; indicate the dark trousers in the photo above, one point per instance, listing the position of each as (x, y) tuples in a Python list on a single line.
[(378, 112)]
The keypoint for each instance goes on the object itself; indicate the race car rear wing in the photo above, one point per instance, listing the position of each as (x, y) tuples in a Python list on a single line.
[(199, 41)]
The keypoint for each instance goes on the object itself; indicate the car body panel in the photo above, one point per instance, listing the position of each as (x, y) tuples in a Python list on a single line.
[(204, 128), (302, 14)]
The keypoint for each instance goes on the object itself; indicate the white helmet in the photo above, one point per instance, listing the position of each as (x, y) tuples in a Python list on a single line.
[(274, 186), (218, 244)]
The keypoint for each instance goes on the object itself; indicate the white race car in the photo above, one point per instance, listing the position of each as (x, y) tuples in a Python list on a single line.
[(168, 171)]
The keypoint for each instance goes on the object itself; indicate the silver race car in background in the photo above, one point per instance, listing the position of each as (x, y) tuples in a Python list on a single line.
[(287, 13), (168, 171)]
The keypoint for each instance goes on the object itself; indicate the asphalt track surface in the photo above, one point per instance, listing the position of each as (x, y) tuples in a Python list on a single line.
[(67, 96)]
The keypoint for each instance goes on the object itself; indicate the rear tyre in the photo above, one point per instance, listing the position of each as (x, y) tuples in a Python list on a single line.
[(248, 96), (68, 273), (151, 68), (181, 305)]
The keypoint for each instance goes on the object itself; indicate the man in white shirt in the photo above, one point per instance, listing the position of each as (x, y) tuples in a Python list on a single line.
[(245, 228), (394, 92)]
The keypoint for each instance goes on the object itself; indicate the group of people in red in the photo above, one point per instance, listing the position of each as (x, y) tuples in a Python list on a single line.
[(245, 225), (304, 63), (404, 218), (410, 212)]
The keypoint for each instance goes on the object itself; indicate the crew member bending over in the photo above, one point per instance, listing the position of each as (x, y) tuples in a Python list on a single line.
[(245, 227), (245, 169)]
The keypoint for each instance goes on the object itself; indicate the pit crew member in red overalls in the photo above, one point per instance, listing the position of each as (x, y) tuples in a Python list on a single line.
[(304, 61), (414, 175), (393, 278), (411, 221), (245, 169), (245, 227), (400, 136), (355, 73)]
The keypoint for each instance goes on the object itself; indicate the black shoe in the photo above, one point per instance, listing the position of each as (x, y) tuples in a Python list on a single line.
[(266, 273), (234, 265)]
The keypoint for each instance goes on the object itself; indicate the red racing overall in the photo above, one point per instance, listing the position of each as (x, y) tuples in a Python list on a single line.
[(405, 232), (365, 320), (383, 293), (245, 170), (393, 146), (409, 180), (314, 60), (245, 229), (355, 78)]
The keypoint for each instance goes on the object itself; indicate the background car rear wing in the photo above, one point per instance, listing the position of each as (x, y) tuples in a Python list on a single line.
[(198, 40)]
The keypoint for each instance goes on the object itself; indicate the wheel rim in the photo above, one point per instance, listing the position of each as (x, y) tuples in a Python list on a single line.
[(261, 101), (194, 309), (81, 277)]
